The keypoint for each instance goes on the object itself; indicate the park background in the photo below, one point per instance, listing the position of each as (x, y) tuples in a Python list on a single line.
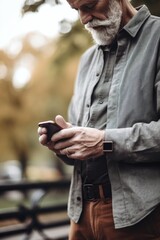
[(41, 42), (37, 74)]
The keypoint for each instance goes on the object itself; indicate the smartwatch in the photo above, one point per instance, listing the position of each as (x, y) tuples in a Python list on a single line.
[(107, 146)]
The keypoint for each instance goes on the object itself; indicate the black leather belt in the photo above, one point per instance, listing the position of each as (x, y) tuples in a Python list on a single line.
[(92, 192)]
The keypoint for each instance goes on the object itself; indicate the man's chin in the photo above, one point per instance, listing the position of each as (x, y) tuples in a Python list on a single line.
[(96, 28), (100, 36), (102, 40)]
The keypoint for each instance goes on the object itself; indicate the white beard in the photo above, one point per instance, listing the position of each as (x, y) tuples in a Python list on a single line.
[(108, 29)]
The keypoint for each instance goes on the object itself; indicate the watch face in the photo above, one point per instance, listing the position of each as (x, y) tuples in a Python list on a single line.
[(107, 146)]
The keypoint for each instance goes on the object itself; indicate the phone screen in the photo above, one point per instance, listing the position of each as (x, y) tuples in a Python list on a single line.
[(51, 127)]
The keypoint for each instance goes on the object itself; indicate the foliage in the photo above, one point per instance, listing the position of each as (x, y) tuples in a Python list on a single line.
[(48, 92), (32, 6), (153, 5)]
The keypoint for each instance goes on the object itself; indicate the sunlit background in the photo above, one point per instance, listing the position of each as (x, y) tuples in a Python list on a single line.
[(40, 46), (13, 26), (40, 49), (29, 84)]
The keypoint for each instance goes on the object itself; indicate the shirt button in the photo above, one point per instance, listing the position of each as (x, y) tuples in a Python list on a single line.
[(78, 199), (87, 105), (97, 74)]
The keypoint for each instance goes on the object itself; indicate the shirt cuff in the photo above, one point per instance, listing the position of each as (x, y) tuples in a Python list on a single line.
[(120, 142)]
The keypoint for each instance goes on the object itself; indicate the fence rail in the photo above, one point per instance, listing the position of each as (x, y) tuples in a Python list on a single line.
[(29, 216)]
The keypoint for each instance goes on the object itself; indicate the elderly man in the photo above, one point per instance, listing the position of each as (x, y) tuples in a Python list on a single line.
[(113, 134)]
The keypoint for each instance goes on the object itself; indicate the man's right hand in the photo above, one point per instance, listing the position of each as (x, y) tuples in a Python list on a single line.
[(42, 132)]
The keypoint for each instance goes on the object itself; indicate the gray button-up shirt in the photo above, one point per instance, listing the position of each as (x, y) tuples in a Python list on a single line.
[(95, 170), (132, 119)]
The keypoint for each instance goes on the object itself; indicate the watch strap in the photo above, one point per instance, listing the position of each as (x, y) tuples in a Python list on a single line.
[(107, 146)]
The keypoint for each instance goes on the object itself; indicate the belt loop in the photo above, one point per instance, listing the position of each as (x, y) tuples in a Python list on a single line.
[(101, 192)]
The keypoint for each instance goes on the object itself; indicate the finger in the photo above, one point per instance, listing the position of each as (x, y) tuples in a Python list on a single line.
[(62, 122), (42, 130), (62, 144), (43, 139), (63, 134), (50, 146), (67, 151)]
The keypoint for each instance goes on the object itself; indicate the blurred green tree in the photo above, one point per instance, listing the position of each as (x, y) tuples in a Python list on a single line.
[(46, 94), (33, 6), (153, 5)]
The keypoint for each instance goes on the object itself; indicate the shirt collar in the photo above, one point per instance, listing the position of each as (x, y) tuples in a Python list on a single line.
[(133, 26)]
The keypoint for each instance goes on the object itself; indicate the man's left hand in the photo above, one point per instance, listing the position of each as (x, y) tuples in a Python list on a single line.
[(78, 142)]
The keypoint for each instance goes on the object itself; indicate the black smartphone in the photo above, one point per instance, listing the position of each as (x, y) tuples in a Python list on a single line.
[(51, 127)]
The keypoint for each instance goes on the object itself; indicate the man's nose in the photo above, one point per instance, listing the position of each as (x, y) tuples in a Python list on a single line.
[(85, 17)]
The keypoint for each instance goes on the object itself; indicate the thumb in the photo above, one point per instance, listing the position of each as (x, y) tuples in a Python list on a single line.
[(62, 122)]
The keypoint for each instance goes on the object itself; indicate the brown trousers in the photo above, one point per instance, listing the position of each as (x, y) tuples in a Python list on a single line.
[(96, 223)]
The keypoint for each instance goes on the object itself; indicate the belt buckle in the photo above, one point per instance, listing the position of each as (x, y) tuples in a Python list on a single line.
[(89, 192)]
